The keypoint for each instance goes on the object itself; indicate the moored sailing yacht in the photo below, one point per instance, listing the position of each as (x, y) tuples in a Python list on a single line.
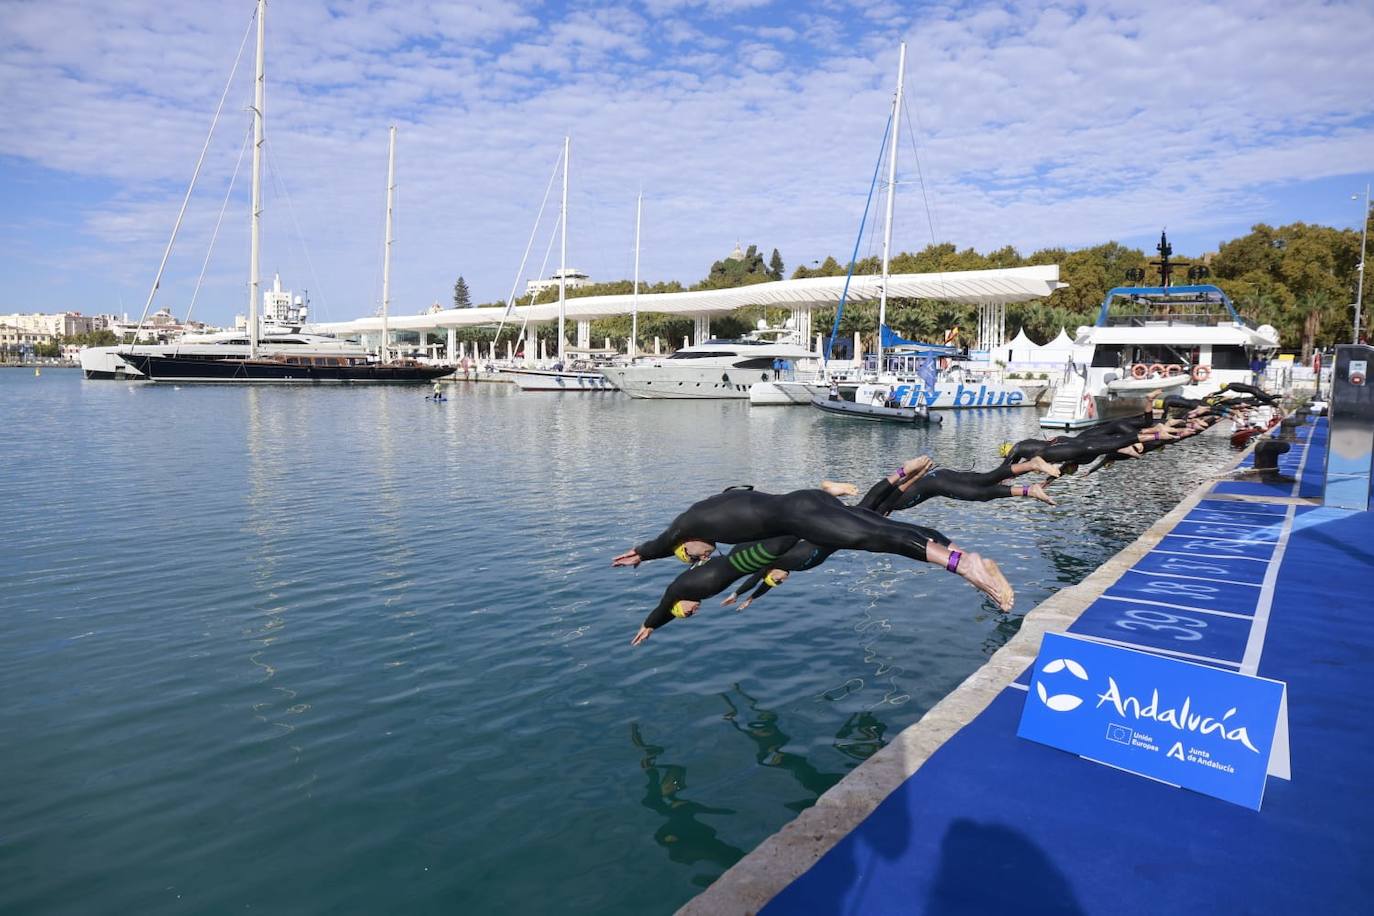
[(578, 376), (282, 366)]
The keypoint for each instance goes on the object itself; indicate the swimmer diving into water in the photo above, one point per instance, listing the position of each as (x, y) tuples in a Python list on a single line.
[(772, 558)]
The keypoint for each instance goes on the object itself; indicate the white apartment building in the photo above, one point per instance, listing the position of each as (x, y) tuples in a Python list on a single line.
[(62, 324), (572, 279)]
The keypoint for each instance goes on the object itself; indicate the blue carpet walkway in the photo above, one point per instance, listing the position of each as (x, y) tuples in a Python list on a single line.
[(995, 824)]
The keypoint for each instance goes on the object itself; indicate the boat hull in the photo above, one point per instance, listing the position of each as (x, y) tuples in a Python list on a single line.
[(966, 395), (234, 371), (784, 394), (872, 412), (660, 383), (549, 380)]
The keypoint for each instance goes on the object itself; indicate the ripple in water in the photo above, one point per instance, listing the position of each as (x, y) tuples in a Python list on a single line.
[(309, 650)]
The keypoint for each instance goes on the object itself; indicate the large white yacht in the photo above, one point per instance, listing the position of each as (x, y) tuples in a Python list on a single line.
[(283, 315), (713, 369), (1186, 340), (106, 362)]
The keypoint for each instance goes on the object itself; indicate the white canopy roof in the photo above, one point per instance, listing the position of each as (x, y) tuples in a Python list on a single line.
[(1015, 284)]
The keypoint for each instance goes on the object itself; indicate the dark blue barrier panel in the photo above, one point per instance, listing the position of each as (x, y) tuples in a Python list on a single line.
[(1188, 725), (1232, 569), (1261, 531), (1207, 596), (1231, 506), (1261, 550), (1208, 636)]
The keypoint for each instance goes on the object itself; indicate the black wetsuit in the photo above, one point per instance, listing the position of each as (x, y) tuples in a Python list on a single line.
[(883, 497), (1069, 449), (1119, 426), (755, 558), (1259, 393), (1151, 445), (1176, 404), (738, 516), (968, 486)]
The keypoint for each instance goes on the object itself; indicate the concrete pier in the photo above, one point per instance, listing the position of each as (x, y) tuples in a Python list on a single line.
[(958, 815)]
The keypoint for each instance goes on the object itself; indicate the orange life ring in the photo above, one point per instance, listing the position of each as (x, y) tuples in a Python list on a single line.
[(1139, 370), (1171, 370), (1202, 373), (1157, 368)]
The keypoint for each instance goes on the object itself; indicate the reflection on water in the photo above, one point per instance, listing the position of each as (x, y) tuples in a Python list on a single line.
[(687, 840), (306, 650), (761, 726)]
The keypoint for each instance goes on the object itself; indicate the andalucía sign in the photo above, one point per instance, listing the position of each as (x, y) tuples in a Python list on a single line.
[(1189, 725)]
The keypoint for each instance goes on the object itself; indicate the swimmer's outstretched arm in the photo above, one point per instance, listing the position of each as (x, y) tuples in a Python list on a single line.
[(770, 581)]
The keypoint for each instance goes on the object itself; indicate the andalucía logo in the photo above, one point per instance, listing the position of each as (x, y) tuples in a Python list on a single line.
[(1183, 718), (1188, 725), (1060, 702)]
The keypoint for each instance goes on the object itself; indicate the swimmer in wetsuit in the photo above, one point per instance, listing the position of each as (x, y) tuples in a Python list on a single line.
[(893, 495), (831, 525), (1193, 428), (1073, 449)]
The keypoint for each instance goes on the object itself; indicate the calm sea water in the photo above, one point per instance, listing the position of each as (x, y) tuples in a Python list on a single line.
[(293, 650)]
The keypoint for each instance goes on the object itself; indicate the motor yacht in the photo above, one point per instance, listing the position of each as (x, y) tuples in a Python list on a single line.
[(1185, 340), (713, 369)]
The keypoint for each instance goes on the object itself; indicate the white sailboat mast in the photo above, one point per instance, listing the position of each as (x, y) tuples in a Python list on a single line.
[(563, 256), (634, 314), (891, 193), (386, 254), (259, 96)]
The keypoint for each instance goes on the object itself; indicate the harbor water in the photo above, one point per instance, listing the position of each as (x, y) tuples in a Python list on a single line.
[(286, 650)]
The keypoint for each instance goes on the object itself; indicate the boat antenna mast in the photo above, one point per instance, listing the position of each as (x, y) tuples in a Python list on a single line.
[(1164, 265), (563, 257), (259, 103), (386, 254), (891, 193), (634, 313)]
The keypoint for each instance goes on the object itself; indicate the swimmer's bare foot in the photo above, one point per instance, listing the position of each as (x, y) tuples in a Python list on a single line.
[(916, 468), (984, 575), (1044, 467), (729, 600), (835, 488), (1037, 491)]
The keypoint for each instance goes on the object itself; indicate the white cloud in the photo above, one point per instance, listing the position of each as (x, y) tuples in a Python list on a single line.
[(1038, 127)]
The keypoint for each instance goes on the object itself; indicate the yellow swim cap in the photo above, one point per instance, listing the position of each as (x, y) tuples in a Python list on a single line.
[(1004, 449), (678, 611), (680, 551), (1159, 404), (768, 579)]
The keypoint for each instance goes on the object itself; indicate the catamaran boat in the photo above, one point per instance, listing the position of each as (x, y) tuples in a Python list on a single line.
[(1185, 340), (714, 369)]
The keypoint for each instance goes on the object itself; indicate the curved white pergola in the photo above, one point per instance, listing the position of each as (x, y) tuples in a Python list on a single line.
[(997, 287)]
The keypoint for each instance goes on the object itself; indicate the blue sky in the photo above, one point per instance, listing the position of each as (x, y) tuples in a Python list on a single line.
[(1039, 125)]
